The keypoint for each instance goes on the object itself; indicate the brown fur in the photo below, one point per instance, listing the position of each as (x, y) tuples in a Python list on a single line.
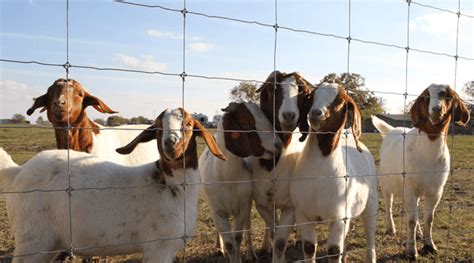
[(271, 92), (451, 107), (185, 151), (70, 108), (331, 127), (242, 140)]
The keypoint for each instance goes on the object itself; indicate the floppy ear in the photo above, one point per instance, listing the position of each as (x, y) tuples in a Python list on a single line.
[(461, 112), (98, 104), (303, 84), (355, 120), (209, 139), (145, 136), (305, 101), (41, 101), (419, 108), (236, 142), (270, 81)]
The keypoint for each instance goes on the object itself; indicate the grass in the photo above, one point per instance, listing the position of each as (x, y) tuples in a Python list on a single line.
[(453, 226)]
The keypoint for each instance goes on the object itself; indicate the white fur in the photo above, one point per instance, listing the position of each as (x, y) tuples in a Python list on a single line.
[(102, 220), (435, 101), (266, 195), (228, 187), (316, 196), (319, 190), (8, 168), (137, 214), (289, 101), (427, 167), (111, 138)]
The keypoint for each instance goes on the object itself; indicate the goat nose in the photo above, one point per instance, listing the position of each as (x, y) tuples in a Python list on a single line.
[(288, 115), (171, 141), (59, 102), (278, 146), (436, 109), (316, 113)]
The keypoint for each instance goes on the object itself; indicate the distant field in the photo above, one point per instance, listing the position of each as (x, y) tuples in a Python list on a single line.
[(456, 222)]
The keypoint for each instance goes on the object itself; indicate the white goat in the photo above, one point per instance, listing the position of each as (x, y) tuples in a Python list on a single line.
[(66, 102), (320, 190), (250, 134), (114, 209), (427, 160), (283, 99)]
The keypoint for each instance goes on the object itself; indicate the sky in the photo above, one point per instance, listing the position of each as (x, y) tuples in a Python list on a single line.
[(107, 34)]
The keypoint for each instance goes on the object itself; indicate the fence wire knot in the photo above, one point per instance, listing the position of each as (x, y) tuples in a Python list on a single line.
[(67, 65), (69, 190), (276, 26), (184, 11)]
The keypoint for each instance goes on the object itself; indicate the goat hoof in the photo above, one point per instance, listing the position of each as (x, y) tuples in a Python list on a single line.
[(411, 255), (298, 244), (428, 249), (251, 257), (263, 252), (220, 253), (390, 232)]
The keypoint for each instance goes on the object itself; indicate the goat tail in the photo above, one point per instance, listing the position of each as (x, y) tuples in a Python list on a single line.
[(383, 127), (8, 168)]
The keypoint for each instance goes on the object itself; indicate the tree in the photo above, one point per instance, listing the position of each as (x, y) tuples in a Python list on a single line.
[(245, 91), (100, 121), (40, 121), (368, 103), (140, 120), (18, 118), (468, 88), (116, 120)]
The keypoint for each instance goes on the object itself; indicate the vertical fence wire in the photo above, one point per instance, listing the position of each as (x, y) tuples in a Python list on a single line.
[(183, 130), (274, 180), (345, 229), (69, 128), (404, 134), (451, 162), (273, 172)]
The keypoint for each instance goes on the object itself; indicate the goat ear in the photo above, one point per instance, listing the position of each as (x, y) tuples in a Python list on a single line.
[(305, 101), (461, 112), (270, 81), (356, 121), (145, 136), (97, 103), (418, 108), (41, 101), (209, 139)]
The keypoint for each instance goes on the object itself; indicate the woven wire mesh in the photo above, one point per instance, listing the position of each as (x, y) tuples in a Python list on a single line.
[(184, 75)]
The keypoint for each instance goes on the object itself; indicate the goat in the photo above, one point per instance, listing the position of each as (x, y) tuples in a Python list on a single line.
[(283, 99), (65, 103), (112, 209), (334, 178), (243, 131), (425, 167)]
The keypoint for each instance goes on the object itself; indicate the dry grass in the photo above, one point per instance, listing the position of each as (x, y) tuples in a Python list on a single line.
[(453, 227)]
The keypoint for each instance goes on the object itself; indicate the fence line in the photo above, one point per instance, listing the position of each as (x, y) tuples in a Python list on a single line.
[(183, 75)]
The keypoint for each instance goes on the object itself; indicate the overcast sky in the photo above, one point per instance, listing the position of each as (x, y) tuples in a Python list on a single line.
[(116, 35)]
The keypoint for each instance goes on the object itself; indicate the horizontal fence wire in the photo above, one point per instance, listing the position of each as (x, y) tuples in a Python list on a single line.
[(68, 66)]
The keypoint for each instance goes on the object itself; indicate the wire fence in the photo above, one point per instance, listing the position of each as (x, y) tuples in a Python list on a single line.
[(274, 179)]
